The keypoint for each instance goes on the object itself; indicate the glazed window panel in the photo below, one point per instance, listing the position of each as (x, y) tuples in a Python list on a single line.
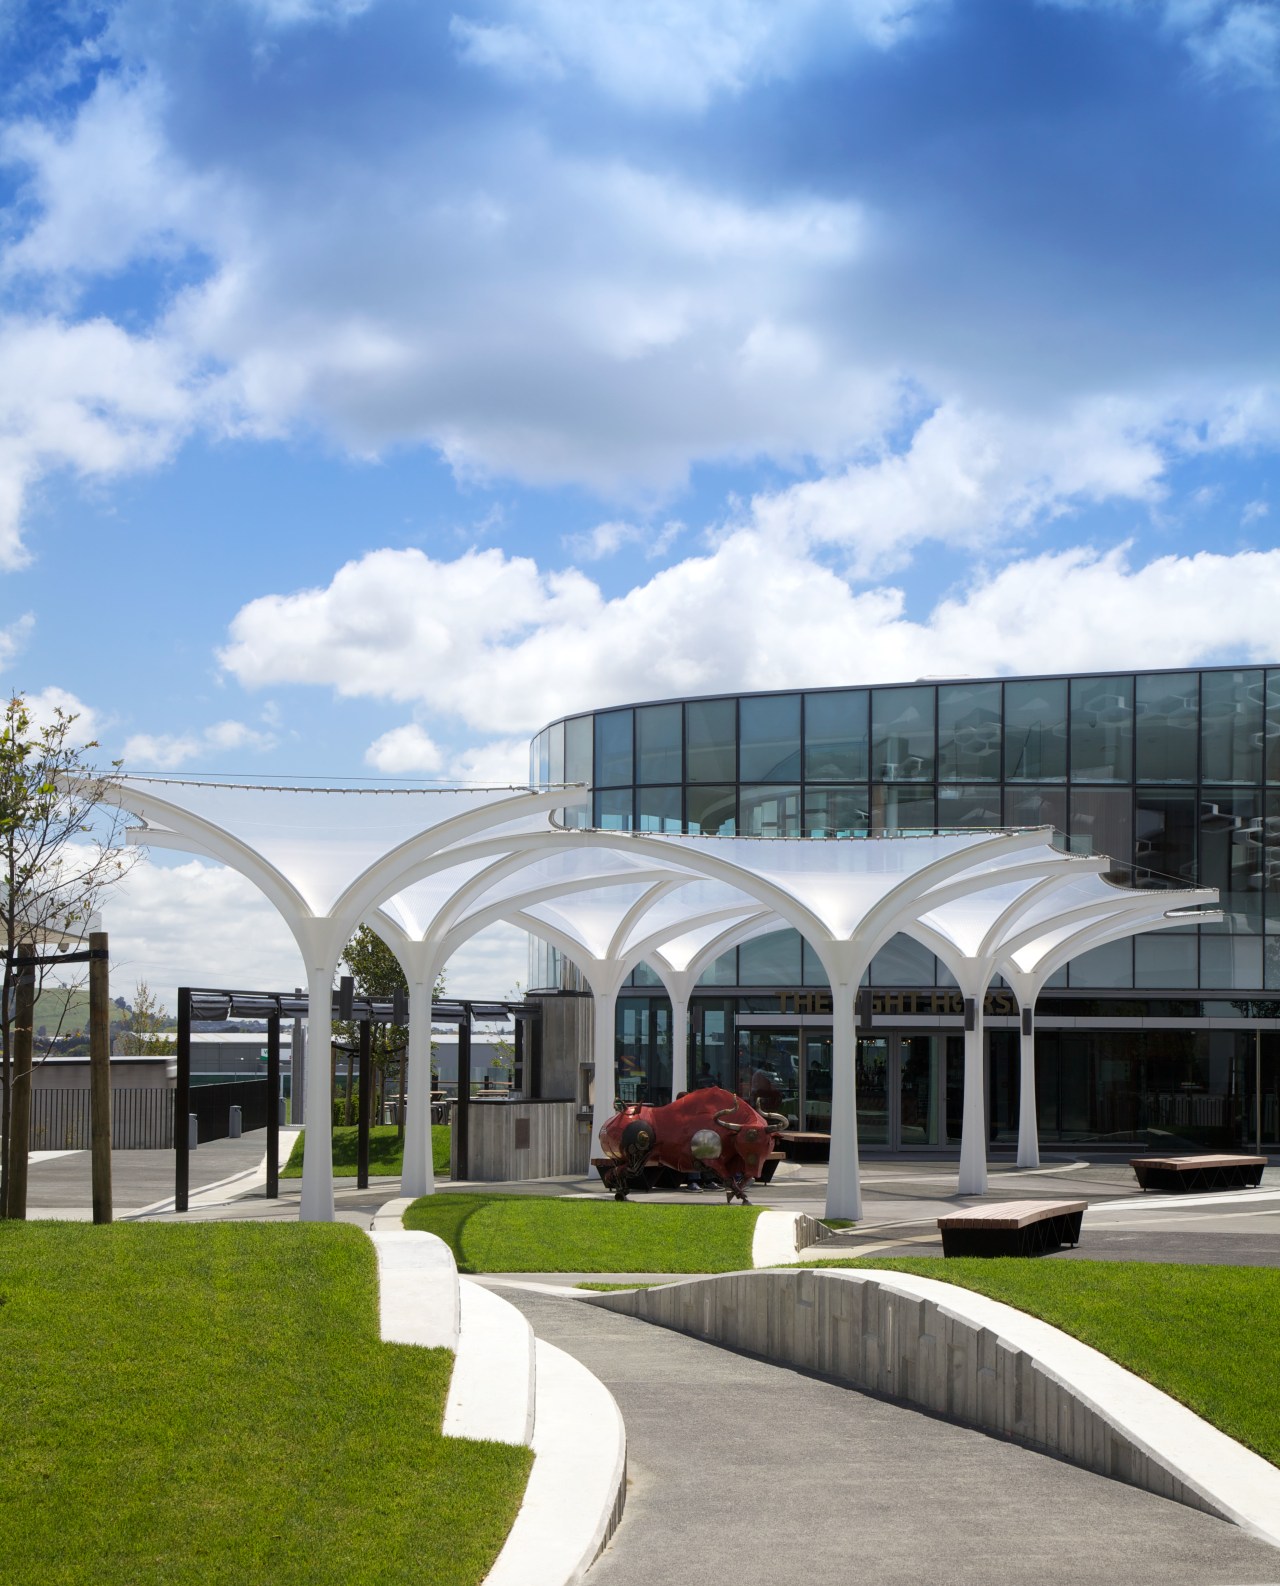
[(902, 735), (722, 971), (902, 809), (836, 812), (902, 961), (769, 738), (613, 748), (658, 809), (1166, 822), (1037, 806), (1232, 722), (542, 759), (1230, 961), (836, 742), (1102, 823), (1166, 959), (578, 733), (659, 748), (964, 808), (769, 812), (556, 765), (711, 750), (1271, 728), (1035, 731), (1166, 729), (814, 973), (772, 960), (1104, 967), (712, 811), (969, 735), (1102, 729), (613, 810), (1234, 845)]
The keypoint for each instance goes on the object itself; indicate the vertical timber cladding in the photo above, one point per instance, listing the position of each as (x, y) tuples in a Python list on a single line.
[(513, 1140), (998, 1004)]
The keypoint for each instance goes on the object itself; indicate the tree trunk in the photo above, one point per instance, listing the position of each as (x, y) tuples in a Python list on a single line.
[(20, 1099)]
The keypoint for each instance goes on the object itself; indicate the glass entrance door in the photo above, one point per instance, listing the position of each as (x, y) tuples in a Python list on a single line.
[(872, 1077), (817, 1081), (919, 1115), (769, 1071)]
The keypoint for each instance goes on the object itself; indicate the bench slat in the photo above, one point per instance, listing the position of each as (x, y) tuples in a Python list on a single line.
[(1010, 1214)]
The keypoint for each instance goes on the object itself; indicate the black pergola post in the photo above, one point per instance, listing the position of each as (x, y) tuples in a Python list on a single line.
[(182, 1105), (517, 1062), (365, 1103), (273, 1106), (462, 1112)]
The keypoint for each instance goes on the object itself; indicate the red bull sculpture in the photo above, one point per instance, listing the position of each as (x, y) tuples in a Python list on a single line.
[(703, 1130)]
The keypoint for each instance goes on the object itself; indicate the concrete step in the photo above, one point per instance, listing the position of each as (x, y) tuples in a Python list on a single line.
[(492, 1394)]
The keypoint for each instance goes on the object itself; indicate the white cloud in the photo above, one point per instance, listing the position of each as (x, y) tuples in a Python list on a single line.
[(164, 751), (403, 750), (13, 639), (503, 762), (45, 703), (521, 647), (1237, 40), (607, 538), (966, 478), (1254, 511), (87, 396), (671, 55)]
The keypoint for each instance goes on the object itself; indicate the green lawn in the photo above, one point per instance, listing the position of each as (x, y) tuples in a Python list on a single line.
[(536, 1233), (1209, 1336), (209, 1404), (386, 1152)]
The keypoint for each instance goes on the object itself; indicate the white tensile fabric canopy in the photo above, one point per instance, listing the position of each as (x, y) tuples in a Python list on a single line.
[(427, 868)]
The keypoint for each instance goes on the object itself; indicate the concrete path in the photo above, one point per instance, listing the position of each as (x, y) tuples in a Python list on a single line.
[(740, 1469)]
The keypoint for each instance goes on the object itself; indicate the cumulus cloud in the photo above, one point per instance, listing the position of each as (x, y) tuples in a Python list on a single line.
[(606, 539), (87, 396), (165, 751), (672, 56), (519, 646), (403, 750), (45, 704), (13, 639)]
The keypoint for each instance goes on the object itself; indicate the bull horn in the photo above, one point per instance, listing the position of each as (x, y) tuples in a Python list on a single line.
[(724, 1122), (777, 1120)]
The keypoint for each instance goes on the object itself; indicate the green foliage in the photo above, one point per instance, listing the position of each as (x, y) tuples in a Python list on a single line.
[(141, 1036), (1209, 1336), (386, 1152), (177, 1420), (538, 1233)]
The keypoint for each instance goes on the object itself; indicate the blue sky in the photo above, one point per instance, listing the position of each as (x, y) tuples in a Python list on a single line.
[(379, 380)]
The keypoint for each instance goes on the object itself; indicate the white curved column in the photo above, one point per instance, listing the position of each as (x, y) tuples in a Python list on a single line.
[(844, 1185), (317, 1118), (679, 1042), (1028, 1122), (418, 1172), (973, 1128), (604, 1051)]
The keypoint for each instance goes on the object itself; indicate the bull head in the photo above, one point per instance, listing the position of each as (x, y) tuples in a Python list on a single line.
[(723, 1122)]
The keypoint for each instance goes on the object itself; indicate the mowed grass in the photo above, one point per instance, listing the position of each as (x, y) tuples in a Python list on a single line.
[(212, 1404), (386, 1151), (536, 1233), (1209, 1336)]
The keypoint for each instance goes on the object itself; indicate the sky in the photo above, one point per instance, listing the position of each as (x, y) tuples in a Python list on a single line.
[(380, 380)]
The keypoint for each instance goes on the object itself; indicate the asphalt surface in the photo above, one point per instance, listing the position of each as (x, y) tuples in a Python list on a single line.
[(743, 1471)]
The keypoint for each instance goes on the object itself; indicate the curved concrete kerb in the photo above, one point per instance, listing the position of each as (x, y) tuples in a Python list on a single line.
[(509, 1387), (962, 1355)]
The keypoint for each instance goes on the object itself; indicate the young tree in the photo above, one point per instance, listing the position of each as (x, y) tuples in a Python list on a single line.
[(148, 1017), (57, 855), (377, 973)]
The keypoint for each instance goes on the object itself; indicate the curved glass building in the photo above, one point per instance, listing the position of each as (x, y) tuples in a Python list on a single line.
[(1174, 774)]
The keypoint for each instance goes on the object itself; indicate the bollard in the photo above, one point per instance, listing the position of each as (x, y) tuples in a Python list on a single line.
[(193, 1131), (235, 1128)]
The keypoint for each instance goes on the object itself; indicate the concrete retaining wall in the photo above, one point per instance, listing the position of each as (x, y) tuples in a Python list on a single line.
[(855, 1328)]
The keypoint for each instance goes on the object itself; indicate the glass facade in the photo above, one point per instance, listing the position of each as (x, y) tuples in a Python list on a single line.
[(1173, 774)]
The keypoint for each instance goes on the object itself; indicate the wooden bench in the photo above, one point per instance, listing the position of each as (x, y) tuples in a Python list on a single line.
[(1012, 1228), (1180, 1173)]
